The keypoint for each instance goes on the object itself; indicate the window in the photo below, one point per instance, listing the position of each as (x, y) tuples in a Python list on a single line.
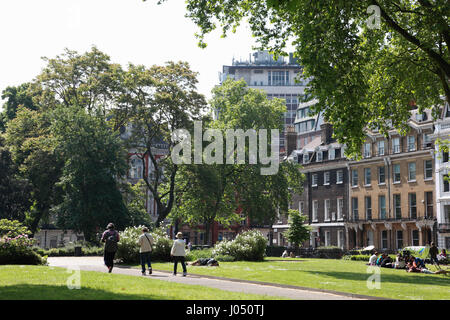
[(384, 242), (340, 176), (426, 140), (396, 145), (340, 208), (315, 208), (429, 204), (326, 178), (428, 169), (354, 178), (412, 206), (135, 168), (399, 239), (381, 175), (415, 237), (278, 78), (337, 152), (445, 182), (315, 179), (397, 206), (381, 148), (340, 239), (367, 178), (327, 209), (301, 207), (355, 208), (444, 156), (306, 158), (411, 143), (331, 154), (367, 150), (396, 175), (412, 171), (327, 238), (319, 156), (368, 201), (382, 205)]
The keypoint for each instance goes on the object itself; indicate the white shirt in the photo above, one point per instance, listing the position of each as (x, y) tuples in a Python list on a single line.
[(373, 260), (178, 248)]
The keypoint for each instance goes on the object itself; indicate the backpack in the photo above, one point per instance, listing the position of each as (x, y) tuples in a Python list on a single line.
[(111, 242)]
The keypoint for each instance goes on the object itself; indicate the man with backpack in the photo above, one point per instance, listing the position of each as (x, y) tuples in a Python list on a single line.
[(111, 238), (146, 247)]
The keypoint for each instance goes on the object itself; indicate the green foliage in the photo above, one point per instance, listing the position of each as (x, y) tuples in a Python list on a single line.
[(298, 231), (224, 258), (249, 246), (199, 254), (128, 250), (135, 199), (12, 228), (93, 157), (17, 248), (363, 74)]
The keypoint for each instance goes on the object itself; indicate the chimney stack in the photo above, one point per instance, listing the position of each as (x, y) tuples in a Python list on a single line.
[(327, 132)]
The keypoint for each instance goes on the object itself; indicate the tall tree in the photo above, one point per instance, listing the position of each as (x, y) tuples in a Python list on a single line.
[(366, 60), (218, 191), (163, 99), (94, 159)]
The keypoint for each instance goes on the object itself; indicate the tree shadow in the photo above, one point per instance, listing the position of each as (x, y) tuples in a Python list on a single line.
[(52, 292), (405, 278)]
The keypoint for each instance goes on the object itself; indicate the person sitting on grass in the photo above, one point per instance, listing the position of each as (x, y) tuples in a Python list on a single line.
[(442, 257), (380, 259), (211, 262), (285, 254), (400, 262), (411, 265), (387, 262), (373, 259)]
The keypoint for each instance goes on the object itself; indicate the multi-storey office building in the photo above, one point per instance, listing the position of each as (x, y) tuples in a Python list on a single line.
[(442, 186), (391, 190), (307, 125), (276, 77)]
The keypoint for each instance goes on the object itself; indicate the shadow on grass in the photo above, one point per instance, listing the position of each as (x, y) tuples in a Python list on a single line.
[(52, 292), (401, 277)]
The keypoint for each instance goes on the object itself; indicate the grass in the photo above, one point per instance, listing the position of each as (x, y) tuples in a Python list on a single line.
[(50, 283), (331, 274)]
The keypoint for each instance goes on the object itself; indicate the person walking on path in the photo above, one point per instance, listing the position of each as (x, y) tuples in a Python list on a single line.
[(111, 237), (146, 247), (178, 253)]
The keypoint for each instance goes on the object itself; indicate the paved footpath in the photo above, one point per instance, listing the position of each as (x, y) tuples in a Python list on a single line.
[(290, 292)]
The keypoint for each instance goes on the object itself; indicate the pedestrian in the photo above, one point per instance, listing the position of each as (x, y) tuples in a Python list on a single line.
[(146, 247), (111, 237), (178, 253), (433, 254)]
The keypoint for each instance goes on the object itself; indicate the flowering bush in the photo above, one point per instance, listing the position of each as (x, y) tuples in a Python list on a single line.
[(18, 250), (12, 228), (249, 245), (128, 247)]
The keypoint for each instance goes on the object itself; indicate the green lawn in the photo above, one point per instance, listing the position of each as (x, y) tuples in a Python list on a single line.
[(330, 274), (47, 283)]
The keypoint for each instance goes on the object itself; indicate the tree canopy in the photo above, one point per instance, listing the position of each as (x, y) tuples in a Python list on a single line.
[(367, 61)]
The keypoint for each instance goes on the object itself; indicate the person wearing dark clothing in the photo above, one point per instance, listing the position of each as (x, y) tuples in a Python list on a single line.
[(111, 237), (433, 253)]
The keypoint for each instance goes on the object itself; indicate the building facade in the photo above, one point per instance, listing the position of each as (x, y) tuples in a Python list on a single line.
[(442, 188), (391, 190), (278, 78)]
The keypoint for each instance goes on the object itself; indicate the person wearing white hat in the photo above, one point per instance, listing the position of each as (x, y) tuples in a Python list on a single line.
[(178, 253)]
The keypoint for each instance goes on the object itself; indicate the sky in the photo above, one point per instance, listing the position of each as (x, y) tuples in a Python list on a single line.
[(127, 30)]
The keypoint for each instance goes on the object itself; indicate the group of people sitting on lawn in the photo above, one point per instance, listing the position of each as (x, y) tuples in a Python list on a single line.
[(404, 260)]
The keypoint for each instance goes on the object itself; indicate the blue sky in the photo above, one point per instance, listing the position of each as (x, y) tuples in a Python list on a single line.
[(127, 30)]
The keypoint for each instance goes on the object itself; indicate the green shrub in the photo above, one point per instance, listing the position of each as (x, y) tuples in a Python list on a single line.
[(128, 247), (19, 250), (329, 252), (248, 246), (12, 228)]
